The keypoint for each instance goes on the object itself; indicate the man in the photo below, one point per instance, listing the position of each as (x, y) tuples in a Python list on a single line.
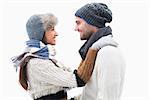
[(107, 78)]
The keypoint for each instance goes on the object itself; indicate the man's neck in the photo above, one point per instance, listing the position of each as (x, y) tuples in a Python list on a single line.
[(95, 29)]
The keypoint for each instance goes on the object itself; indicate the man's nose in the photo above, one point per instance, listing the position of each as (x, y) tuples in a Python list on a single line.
[(76, 28)]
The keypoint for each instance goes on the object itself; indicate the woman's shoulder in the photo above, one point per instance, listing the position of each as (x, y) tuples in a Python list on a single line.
[(38, 62)]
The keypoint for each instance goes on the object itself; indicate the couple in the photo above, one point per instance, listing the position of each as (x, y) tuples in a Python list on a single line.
[(101, 70)]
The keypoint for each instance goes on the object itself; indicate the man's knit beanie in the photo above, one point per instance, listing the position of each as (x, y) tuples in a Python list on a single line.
[(96, 14)]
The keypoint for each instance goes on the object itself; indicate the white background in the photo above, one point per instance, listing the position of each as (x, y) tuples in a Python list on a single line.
[(130, 29)]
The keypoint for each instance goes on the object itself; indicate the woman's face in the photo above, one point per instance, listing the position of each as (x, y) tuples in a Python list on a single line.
[(50, 36)]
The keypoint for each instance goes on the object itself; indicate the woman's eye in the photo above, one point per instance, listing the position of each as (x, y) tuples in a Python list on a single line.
[(52, 29)]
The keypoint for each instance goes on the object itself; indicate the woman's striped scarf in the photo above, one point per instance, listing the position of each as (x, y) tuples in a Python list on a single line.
[(37, 49)]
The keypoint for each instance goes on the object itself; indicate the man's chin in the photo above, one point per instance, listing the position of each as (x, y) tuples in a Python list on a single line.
[(82, 38)]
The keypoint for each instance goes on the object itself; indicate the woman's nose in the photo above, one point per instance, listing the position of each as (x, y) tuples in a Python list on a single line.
[(56, 33)]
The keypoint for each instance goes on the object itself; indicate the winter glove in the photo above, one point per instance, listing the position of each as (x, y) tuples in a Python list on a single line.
[(104, 41)]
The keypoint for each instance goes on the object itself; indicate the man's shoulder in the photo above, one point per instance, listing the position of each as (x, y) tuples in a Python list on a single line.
[(109, 51), (111, 55)]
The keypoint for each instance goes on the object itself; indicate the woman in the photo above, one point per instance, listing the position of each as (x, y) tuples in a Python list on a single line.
[(40, 73)]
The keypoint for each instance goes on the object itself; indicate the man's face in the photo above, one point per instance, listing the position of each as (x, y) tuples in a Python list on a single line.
[(83, 28)]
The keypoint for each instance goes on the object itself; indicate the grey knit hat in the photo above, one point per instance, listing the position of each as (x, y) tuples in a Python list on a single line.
[(96, 14), (39, 23), (34, 27)]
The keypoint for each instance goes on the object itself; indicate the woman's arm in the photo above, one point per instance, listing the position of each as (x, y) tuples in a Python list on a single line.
[(47, 72)]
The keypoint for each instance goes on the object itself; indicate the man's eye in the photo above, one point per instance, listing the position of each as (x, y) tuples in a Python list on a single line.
[(77, 22)]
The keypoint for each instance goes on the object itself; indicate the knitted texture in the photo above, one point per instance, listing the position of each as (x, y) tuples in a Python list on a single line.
[(34, 27), (86, 66), (96, 14)]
